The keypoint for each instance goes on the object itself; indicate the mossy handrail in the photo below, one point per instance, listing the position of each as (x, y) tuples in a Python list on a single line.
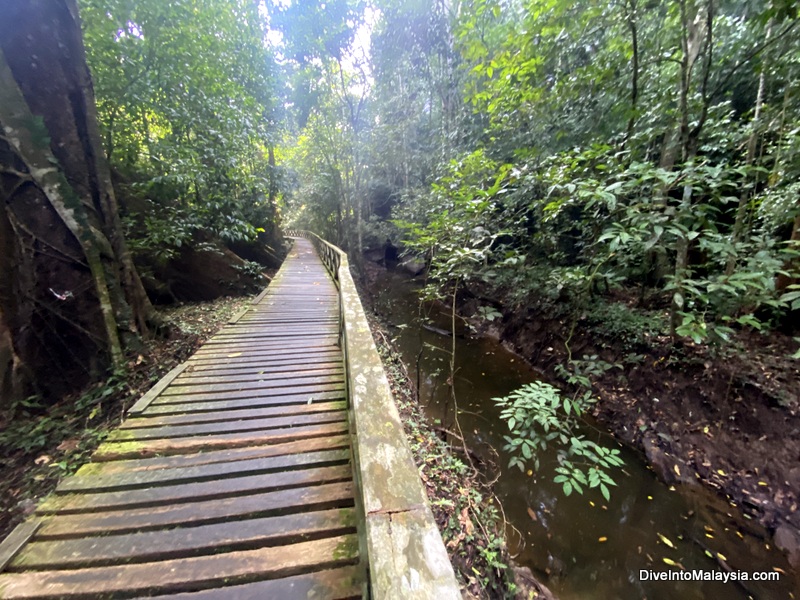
[(406, 557)]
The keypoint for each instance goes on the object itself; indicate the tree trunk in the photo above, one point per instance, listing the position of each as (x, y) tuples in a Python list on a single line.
[(696, 34), (630, 18), (75, 296), (752, 145)]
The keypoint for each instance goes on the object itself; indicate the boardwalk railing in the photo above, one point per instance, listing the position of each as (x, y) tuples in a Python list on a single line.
[(405, 553)]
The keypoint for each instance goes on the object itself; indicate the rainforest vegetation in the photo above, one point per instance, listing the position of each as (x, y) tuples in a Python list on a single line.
[(626, 172)]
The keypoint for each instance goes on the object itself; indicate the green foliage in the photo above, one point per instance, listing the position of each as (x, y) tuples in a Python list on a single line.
[(540, 417), (627, 327), (184, 95), (250, 269), (34, 426)]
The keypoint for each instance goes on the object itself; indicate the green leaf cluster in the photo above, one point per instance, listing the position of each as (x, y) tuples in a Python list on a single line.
[(539, 418)]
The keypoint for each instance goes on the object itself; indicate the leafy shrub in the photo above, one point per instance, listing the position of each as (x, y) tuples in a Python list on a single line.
[(628, 327), (538, 416)]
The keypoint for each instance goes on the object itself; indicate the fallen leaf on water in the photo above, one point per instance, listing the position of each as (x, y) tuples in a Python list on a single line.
[(532, 514), (602, 539), (721, 472), (779, 570), (673, 563), (762, 483), (677, 470), (666, 540), (721, 556)]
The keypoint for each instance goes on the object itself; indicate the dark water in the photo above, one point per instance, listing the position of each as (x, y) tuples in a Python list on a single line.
[(562, 544)]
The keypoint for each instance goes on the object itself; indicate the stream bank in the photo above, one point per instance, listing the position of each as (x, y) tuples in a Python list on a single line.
[(580, 546), (729, 421)]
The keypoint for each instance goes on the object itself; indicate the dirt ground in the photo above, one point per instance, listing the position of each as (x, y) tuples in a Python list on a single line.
[(728, 420)]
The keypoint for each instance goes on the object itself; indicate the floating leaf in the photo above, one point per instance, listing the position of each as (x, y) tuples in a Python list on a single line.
[(672, 563), (666, 540), (602, 539)]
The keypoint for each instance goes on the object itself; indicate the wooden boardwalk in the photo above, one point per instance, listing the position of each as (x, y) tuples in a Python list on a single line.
[(231, 479)]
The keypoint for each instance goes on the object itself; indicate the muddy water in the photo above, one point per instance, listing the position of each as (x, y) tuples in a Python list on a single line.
[(580, 546)]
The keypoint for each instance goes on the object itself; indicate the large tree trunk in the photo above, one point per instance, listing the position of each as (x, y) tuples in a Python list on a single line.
[(73, 298)]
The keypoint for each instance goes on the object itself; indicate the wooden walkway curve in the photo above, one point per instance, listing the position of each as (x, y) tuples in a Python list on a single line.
[(232, 478)]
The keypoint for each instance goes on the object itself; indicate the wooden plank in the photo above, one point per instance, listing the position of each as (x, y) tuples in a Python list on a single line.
[(296, 381), (192, 492), (18, 537), (311, 391), (235, 318), (175, 543), (231, 455), (207, 472), (184, 445), (185, 574), (336, 584), (318, 497), (262, 332), (328, 343), (259, 374), (293, 343), (159, 387), (256, 369), (261, 296), (188, 430), (268, 358), (277, 399), (149, 420)]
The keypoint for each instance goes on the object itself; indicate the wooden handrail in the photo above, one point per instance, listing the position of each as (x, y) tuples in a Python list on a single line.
[(405, 553)]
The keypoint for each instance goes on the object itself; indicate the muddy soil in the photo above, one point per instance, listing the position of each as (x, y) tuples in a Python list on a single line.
[(727, 419)]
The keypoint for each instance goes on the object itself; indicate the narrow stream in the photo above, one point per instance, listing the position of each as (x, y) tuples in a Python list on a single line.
[(580, 546)]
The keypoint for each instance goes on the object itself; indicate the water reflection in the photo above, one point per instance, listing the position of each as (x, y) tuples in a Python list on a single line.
[(581, 546)]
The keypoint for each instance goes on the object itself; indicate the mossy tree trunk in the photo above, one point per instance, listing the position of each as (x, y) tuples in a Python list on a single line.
[(71, 298)]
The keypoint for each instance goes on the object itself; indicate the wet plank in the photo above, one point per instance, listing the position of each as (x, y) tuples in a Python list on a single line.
[(235, 426), (173, 543), (231, 455), (318, 497), (294, 380), (128, 480), (184, 445), (335, 584), (184, 574), (184, 405), (311, 390), (243, 413)]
